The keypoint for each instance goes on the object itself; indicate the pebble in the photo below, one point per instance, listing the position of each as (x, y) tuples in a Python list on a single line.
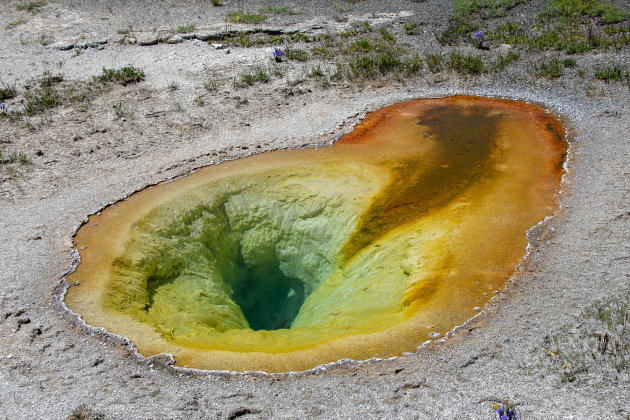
[(217, 46), (203, 36), (62, 45), (147, 39), (175, 39), (477, 308), (435, 335)]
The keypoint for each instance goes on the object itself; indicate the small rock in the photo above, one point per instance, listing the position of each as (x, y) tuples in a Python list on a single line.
[(175, 39), (100, 47), (217, 46), (81, 45), (203, 36), (163, 359), (477, 308), (132, 40), (435, 335), (10, 356), (504, 48), (62, 45), (227, 51), (189, 35), (147, 39)]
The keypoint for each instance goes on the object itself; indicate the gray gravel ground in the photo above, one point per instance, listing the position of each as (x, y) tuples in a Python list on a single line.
[(49, 364)]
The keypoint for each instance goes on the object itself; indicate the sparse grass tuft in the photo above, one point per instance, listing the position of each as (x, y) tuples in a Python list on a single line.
[(249, 78), (123, 76), (185, 29), (465, 64), (15, 157), (412, 28), (273, 10), (599, 342), (569, 63), (240, 16), (297, 55), (211, 85), (44, 97)]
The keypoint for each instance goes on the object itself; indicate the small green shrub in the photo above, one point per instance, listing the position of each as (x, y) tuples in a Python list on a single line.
[(123, 76), (32, 6), (216, 3), (569, 62), (435, 62), (7, 92), (551, 69), (386, 35), (249, 78), (458, 28)]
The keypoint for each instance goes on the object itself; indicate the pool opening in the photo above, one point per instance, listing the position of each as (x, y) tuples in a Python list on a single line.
[(268, 298)]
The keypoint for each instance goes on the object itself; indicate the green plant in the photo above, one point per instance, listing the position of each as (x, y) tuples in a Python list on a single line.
[(11, 25), (601, 337), (32, 6), (44, 97), (484, 8), (123, 76), (7, 92), (83, 412), (434, 62), (19, 157), (173, 86), (210, 85), (249, 78), (612, 72), (551, 69), (121, 111), (386, 35), (505, 60), (412, 28), (465, 64), (569, 62), (297, 54), (185, 29), (459, 27), (216, 3), (239, 16)]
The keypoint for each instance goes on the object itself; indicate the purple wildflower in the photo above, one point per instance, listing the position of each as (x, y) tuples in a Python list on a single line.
[(479, 36), (277, 54)]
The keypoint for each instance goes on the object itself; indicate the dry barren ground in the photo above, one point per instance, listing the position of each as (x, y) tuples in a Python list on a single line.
[(71, 144)]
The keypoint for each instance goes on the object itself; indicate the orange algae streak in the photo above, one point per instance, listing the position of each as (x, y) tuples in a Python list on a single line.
[(401, 228)]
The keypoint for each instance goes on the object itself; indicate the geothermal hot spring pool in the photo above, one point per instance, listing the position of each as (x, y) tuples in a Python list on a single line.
[(294, 258)]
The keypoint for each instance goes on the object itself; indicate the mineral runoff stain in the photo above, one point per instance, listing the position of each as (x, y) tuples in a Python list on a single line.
[(290, 259)]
